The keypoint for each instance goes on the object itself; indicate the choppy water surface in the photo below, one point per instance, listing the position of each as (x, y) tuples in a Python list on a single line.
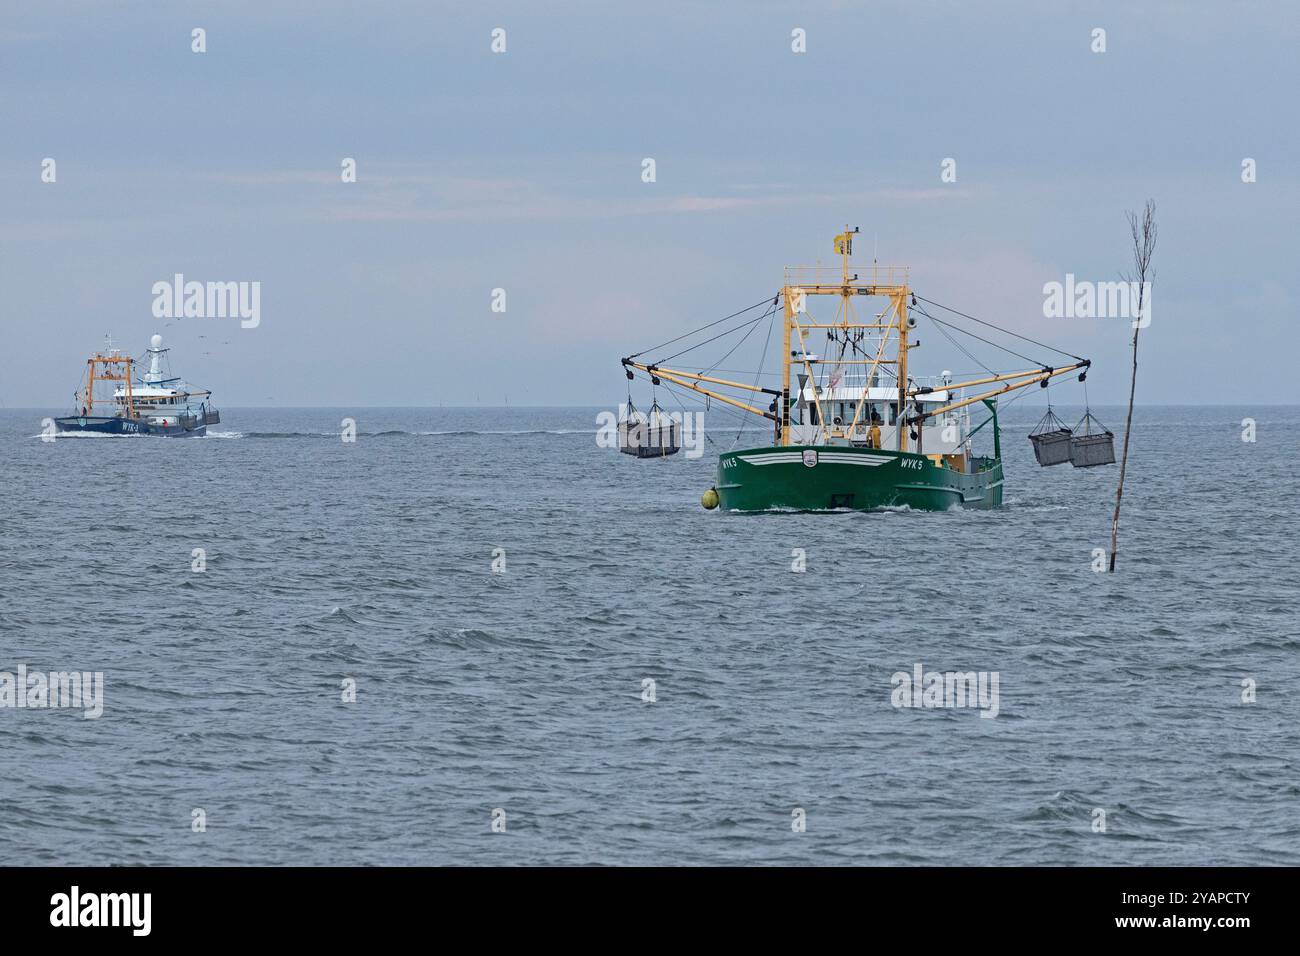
[(522, 690)]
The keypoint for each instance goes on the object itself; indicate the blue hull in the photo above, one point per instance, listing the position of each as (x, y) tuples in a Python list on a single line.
[(104, 425)]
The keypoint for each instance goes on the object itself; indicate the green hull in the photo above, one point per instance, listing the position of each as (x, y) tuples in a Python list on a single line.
[(807, 478)]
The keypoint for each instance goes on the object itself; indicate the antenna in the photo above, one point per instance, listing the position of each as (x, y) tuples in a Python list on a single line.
[(875, 247)]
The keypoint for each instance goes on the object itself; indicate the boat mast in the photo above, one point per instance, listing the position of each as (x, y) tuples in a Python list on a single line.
[(784, 416), (900, 310), (850, 284), (899, 294), (844, 245)]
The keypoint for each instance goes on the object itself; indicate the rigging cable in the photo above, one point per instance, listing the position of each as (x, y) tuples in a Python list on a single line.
[(957, 328), (714, 367), (1000, 329), (955, 343), (697, 345), (675, 391), (704, 431), (702, 328), (762, 363)]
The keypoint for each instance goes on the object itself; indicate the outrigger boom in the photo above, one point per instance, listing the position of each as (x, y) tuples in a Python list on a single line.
[(681, 378), (856, 430), (880, 281)]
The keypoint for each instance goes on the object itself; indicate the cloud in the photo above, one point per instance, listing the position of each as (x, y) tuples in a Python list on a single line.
[(459, 200)]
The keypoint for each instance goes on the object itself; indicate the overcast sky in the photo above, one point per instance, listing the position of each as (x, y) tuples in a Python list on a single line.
[(522, 171)]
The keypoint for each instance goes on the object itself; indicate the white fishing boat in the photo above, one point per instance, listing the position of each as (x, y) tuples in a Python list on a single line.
[(112, 401)]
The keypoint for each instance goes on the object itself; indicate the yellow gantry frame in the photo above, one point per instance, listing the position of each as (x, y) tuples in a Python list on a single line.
[(110, 363), (899, 295)]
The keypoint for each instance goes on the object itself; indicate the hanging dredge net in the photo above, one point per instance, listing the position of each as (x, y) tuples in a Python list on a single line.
[(1091, 443), (651, 434), (1051, 439), (1086, 445)]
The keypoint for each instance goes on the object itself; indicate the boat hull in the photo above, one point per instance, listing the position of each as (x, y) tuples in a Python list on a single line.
[(807, 478), (108, 425)]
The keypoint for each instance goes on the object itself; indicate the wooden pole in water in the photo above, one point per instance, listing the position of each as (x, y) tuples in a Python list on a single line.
[(1143, 230)]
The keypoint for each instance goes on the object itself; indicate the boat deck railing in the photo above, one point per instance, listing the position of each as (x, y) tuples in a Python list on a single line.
[(860, 274), (858, 379)]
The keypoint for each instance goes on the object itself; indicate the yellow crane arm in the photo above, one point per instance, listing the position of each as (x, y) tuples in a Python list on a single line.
[(690, 380), (1031, 378), (1004, 376)]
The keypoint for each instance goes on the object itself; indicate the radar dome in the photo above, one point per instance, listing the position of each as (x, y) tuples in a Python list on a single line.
[(156, 341)]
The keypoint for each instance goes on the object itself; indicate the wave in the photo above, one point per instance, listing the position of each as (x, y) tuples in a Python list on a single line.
[(395, 433), (333, 435), (387, 433), (59, 436), (523, 431)]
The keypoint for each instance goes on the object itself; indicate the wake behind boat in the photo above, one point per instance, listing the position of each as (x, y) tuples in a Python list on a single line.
[(157, 403)]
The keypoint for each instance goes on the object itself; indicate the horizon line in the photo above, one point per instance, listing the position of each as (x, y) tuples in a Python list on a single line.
[(46, 408)]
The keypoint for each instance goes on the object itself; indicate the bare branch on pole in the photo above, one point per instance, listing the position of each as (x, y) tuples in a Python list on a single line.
[(1143, 229)]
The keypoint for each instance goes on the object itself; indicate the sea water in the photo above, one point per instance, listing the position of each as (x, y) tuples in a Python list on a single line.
[(474, 636)]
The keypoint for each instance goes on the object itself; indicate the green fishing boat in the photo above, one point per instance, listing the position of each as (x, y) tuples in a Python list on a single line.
[(853, 427), (812, 478)]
